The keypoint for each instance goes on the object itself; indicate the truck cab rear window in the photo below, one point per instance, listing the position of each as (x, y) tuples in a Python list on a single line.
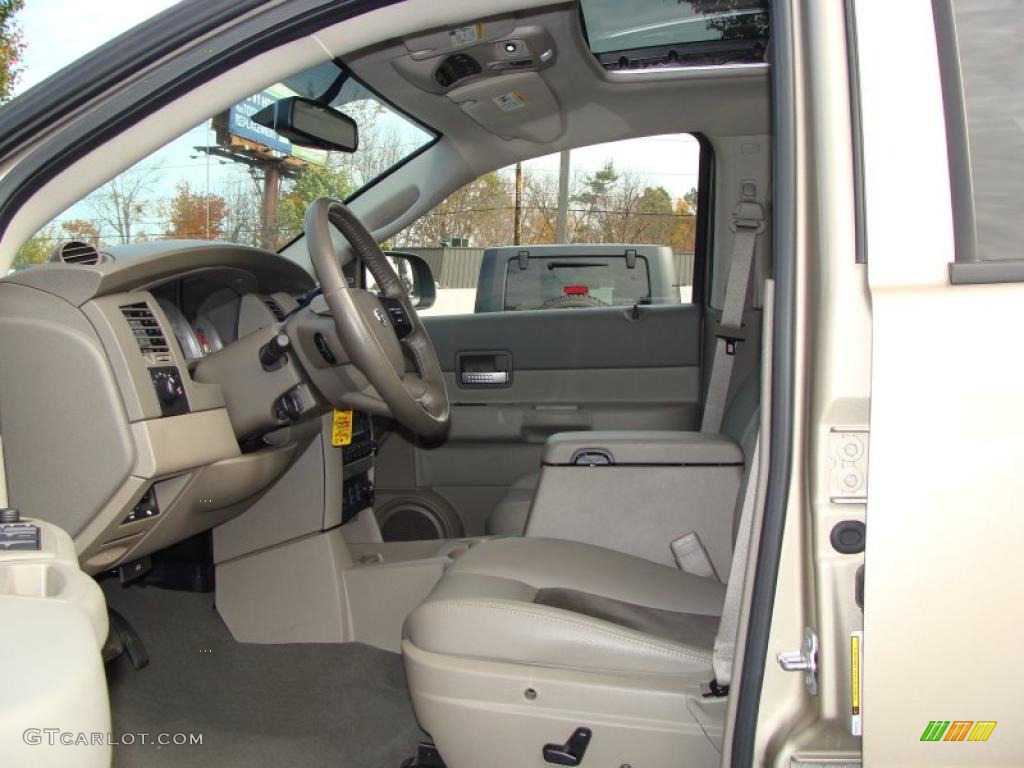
[(583, 281)]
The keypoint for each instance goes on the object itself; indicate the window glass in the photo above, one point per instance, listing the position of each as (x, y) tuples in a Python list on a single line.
[(581, 281), (638, 194), (232, 179), (639, 34), (988, 33)]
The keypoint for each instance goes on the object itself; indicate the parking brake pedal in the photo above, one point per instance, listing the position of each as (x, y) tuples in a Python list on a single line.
[(427, 756), (570, 753)]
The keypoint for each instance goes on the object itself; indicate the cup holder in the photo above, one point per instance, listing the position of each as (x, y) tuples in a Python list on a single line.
[(31, 580)]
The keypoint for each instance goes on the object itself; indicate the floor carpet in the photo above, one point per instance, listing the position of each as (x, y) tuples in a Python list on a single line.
[(254, 705)]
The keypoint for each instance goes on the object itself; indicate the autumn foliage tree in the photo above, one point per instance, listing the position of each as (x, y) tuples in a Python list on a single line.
[(12, 46), (195, 216), (81, 230)]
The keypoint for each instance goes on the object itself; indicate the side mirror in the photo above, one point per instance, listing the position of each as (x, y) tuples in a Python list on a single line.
[(415, 273), (308, 123)]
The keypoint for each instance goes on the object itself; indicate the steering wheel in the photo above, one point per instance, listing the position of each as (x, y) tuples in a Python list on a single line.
[(367, 328)]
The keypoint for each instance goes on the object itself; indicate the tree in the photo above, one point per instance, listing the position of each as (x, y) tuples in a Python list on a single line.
[(684, 233), (12, 47), (313, 182), (38, 250), (379, 143), (192, 215), (122, 202), (243, 217), (480, 211), (81, 230), (596, 189)]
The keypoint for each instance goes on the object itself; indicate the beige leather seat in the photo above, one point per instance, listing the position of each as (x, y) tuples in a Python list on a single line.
[(562, 603), (526, 640)]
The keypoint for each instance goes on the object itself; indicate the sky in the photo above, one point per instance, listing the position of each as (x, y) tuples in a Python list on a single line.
[(57, 32)]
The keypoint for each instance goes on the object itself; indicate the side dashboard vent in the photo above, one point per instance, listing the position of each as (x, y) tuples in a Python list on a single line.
[(147, 330), (77, 252), (275, 308)]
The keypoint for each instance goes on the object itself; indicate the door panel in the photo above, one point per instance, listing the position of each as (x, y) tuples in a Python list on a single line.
[(568, 370)]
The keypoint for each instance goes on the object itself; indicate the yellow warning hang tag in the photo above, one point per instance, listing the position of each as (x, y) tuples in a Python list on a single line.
[(341, 428)]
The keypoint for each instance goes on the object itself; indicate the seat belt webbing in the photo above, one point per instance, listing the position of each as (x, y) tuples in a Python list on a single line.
[(725, 640), (747, 224)]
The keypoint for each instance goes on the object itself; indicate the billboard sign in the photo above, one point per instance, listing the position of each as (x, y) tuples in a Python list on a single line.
[(240, 124)]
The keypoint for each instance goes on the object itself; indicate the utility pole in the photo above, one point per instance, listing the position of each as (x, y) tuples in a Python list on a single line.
[(271, 197), (561, 233), (517, 224)]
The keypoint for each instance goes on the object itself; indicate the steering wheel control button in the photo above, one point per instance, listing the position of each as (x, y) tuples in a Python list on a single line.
[(170, 390), (274, 353), (399, 317), (324, 350)]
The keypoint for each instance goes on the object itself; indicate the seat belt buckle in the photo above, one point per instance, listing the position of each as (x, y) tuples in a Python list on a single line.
[(731, 334)]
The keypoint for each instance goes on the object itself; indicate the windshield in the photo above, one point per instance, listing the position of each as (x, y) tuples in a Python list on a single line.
[(637, 34), (231, 179)]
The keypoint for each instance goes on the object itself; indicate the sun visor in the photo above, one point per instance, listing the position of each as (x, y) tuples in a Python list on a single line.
[(516, 106)]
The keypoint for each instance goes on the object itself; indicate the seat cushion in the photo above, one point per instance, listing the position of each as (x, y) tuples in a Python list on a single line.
[(513, 508), (560, 603)]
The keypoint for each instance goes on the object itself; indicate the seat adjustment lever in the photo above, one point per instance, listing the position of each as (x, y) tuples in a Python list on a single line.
[(570, 753)]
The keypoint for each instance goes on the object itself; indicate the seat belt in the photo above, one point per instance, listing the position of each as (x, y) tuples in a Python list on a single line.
[(725, 639), (747, 224)]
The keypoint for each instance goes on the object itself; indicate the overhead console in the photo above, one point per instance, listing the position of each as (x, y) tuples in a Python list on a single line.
[(491, 69)]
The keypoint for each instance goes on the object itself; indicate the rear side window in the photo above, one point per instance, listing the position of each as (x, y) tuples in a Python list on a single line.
[(581, 281), (983, 83)]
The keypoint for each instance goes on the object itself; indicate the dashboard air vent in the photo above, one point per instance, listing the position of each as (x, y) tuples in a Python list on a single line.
[(275, 308), (146, 328), (77, 252)]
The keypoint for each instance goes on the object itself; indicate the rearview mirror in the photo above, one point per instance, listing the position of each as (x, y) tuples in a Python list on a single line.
[(308, 123)]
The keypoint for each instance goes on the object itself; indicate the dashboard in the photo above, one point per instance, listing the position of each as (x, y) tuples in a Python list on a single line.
[(205, 312), (112, 430)]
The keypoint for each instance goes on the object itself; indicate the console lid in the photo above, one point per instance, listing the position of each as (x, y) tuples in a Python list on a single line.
[(658, 448)]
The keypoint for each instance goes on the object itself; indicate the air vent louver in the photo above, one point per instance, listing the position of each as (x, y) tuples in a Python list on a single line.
[(275, 308), (146, 328), (77, 252)]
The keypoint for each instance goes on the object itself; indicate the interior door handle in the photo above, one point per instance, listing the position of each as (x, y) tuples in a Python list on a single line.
[(480, 368), (485, 377)]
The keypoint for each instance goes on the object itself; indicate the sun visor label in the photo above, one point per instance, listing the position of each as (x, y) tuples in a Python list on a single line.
[(466, 35), (511, 101)]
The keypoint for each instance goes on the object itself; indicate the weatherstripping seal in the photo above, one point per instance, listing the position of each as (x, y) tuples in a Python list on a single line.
[(113, 63), (279, 25), (782, 410), (969, 268)]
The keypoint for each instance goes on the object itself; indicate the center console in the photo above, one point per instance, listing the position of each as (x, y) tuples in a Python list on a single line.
[(55, 622), (357, 458)]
